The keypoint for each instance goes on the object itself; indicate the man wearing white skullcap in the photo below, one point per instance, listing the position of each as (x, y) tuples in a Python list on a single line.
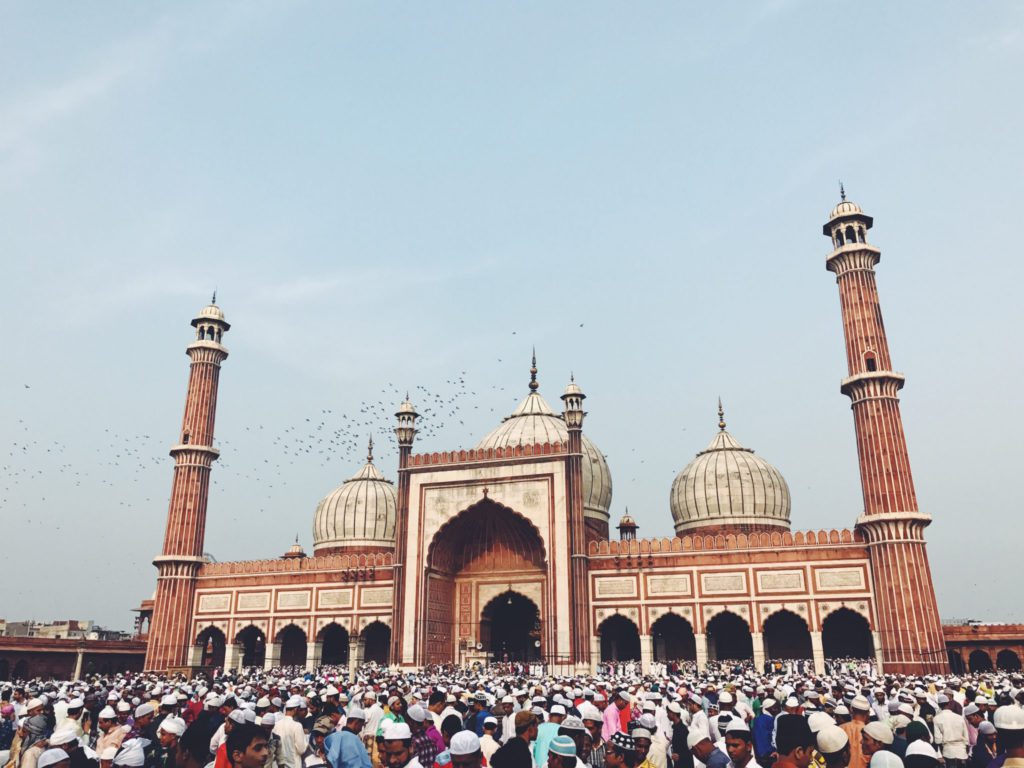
[(834, 746), (293, 738), (54, 758), (344, 748), (111, 733), (860, 711), (950, 733), (465, 750), (875, 737), (397, 747)]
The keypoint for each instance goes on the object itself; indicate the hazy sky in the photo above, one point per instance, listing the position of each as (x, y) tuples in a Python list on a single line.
[(391, 196)]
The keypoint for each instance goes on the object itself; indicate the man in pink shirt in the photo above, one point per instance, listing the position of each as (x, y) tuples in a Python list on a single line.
[(614, 715)]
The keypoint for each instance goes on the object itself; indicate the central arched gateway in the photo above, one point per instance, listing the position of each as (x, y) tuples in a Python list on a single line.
[(510, 628), (479, 561)]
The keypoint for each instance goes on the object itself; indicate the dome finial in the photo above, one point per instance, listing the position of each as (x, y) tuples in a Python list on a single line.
[(214, 299), (842, 191), (721, 416), (369, 451), (533, 372)]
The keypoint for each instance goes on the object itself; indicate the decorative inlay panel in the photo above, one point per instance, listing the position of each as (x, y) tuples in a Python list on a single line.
[(840, 578), (723, 583), (780, 581), (669, 585), (615, 586), (254, 601), (212, 603), (377, 596), (293, 600), (334, 598)]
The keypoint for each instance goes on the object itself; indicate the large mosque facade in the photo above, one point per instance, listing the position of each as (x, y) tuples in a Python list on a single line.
[(504, 550)]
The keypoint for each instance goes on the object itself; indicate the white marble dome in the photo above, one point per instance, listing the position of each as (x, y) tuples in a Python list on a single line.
[(357, 515), (728, 486), (534, 422)]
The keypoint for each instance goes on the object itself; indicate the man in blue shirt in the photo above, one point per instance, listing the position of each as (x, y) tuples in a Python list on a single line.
[(761, 730), (344, 748)]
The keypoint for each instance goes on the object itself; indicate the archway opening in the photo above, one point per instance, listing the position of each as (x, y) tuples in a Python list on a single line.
[(254, 646), (483, 542), (510, 628), (376, 642), (211, 642), (1008, 661), (5, 669), (620, 639), (979, 661), (293, 646), (786, 636), (334, 648), (846, 634), (729, 638), (20, 671), (956, 662), (673, 639)]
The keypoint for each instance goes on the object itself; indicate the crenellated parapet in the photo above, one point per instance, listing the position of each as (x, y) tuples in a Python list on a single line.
[(474, 455), (727, 542), (291, 565)]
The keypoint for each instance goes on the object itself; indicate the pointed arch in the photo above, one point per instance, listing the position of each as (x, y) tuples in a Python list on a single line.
[(846, 633), (487, 536), (620, 639), (729, 637), (212, 645), (253, 645), (979, 661), (1008, 661), (673, 638), (292, 640), (510, 627), (376, 642), (334, 640), (786, 636)]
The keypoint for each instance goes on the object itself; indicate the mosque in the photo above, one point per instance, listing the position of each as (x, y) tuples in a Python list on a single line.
[(504, 550)]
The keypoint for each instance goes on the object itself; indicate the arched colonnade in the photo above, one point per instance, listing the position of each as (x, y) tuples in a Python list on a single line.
[(727, 635), (333, 644)]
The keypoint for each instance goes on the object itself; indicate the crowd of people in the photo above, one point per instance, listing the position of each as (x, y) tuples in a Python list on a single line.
[(728, 715)]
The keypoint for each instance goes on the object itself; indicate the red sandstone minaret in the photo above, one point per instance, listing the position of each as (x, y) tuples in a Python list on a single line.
[(182, 555), (579, 620), (405, 432), (908, 618)]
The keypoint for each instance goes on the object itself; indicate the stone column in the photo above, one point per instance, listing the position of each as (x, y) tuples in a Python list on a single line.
[(876, 640), (79, 658), (356, 648), (232, 656), (818, 653), (595, 653), (757, 638), (646, 653), (314, 652), (273, 656), (702, 651)]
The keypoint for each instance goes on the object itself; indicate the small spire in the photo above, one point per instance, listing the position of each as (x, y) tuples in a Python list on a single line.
[(842, 191), (214, 299), (369, 452), (296, 538), (572, 378), (721, 416), (533, 372)]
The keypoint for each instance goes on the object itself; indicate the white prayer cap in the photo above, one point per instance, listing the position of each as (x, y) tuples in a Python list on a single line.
[(249, 715), (112, 696), (508, 699), (63, 736), (398, 732), (943, 699), (860, 703), (489, 720), (738, 724), (832, 739), (262, 702), (694, 737), (170, 700), (793, 701), (417, 713), (293, 703), (768, 703), (725, 697), (77, 703), (879, 732), (143, 709), (236, 716), (899, 722), (124, 706), (883, 758), (648, 722), (52, 757), (131, 755), (841, 709), (270, 718), (589, 712), (355, 712), (818, 720), (33, 703), (557, 709), (107, 713), (331, 691), (921, 747), (464, 743), (173, 725), (1009, 718)]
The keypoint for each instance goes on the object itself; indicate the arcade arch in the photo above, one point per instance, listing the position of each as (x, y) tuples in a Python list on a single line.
[(846, 634), (510, 628), (211, 643), (376, 642), (673, 639), (620, 639), (979, 661), (334, 644), (292, 641), (253, 646), (729, 638), (1008, 660), (786, 636)]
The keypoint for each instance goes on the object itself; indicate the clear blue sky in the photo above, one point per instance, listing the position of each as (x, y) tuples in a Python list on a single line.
[(410, 196)]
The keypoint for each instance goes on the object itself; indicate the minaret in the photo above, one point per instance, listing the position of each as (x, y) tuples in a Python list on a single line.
[(170, 635), (908, 618), (405, 432), (579, 624)]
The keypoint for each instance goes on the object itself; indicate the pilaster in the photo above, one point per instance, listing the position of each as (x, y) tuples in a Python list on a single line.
[(757, 638), (701, 641), (273, 656), (314, 652), (646, 653), (818, 653), (232, 656)]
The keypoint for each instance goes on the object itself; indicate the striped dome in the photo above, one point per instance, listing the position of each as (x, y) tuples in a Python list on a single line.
[(534, 422), (359, 514), (727, 485)]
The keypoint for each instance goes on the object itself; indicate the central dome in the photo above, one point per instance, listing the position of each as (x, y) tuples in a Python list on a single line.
[(728, 488), (358, 515), (534, 422)]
